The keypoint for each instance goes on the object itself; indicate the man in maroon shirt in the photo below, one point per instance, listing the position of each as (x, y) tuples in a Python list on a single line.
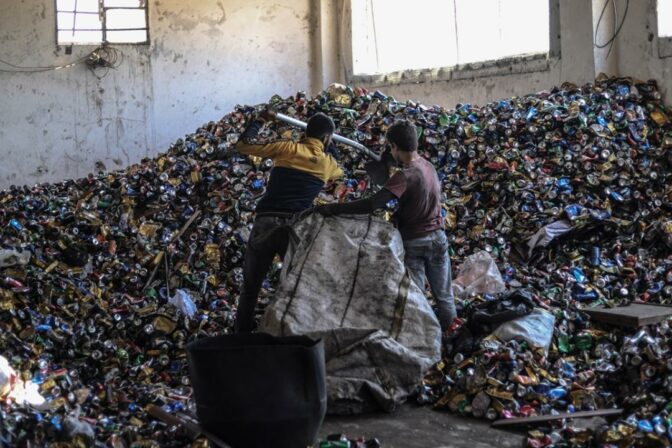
[(417, 188)]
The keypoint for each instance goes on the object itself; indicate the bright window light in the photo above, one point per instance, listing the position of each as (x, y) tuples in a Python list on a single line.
[(392, 35), (664, 18), (92, 22)]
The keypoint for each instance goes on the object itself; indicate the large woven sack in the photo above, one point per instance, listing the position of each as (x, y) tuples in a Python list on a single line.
[(344, 281)]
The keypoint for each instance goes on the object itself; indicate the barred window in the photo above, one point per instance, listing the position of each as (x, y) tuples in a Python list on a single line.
[(92, 22), (392, 35)]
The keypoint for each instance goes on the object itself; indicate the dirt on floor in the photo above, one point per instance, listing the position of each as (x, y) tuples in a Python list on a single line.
[(421, 427)]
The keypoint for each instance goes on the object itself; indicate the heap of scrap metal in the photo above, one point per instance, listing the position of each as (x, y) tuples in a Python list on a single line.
[(103, 280)]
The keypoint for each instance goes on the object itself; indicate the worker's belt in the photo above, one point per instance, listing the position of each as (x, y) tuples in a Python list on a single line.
[(273, 214), (292, 217)]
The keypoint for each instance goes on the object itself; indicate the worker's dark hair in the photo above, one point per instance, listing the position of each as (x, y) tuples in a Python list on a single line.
[(320, 126), (402, 133)]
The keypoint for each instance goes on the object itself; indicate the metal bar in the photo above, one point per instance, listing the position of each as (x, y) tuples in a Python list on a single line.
[(146, 7), (192, 429), (125, 29), (161, 254), (56, 27), (100, 29), (103, 18), (80, 29), (74, 19), (80, 12), (293, 121), (506, 422), (338, 138)]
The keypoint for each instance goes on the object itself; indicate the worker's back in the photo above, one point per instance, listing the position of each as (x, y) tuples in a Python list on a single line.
[(301, 170), (419, 191)]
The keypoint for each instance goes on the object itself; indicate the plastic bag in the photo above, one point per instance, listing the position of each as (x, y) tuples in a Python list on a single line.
[(8, 377), (536, 328), (183, 302), (547, 234), (15, 390), (484, 317), (478, 275)]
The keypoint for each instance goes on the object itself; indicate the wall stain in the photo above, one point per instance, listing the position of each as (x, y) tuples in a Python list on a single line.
[(187, 20), (222, 19), (272, 11), (278, 47)]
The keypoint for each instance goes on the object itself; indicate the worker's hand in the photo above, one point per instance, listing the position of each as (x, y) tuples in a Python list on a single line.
[(333, 151), (269, 113), (325, 210)]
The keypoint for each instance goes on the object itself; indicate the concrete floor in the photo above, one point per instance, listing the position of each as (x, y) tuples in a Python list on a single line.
[(422, 427)]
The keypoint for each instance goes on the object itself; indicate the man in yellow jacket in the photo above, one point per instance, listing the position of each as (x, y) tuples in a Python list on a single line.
[(300, 171)]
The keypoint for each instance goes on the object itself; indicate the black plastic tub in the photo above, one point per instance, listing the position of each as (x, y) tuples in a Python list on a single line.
[(256, 390)]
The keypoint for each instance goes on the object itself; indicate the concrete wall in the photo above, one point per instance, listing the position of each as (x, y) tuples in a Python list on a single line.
[(206, 56), (606, 58), (639, 51)]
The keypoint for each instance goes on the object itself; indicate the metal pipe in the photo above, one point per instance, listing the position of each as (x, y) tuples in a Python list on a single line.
[(338, 138)]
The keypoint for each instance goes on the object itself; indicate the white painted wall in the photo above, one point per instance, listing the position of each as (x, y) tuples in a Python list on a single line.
[(206, 56)]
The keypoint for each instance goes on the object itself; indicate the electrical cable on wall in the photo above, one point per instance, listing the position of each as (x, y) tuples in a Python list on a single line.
[(103, 57), (617, 29), (25, 69)]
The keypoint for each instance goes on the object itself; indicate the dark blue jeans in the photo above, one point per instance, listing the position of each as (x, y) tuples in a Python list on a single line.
[(427, 258), (269, 237)]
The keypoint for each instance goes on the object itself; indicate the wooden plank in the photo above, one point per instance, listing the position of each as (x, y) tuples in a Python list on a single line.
[(633, 315), (505, 422)]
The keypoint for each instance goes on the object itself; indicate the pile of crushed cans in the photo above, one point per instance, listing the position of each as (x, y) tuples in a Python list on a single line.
[(105, 279)]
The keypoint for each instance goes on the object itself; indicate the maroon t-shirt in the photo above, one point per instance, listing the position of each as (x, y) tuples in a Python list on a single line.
[(419, 192)]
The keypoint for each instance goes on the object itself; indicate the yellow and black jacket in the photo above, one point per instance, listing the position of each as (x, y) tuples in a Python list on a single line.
[(300, 170)]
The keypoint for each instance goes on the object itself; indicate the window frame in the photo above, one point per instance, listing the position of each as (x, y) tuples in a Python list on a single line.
[(664, 46), (511, 65), (103, 29), (664, 42)]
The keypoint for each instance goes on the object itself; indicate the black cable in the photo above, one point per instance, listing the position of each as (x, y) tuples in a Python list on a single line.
[(102, 57), (21, 69), (618, 29), (599, 22), (614, 18), (611, 45)]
